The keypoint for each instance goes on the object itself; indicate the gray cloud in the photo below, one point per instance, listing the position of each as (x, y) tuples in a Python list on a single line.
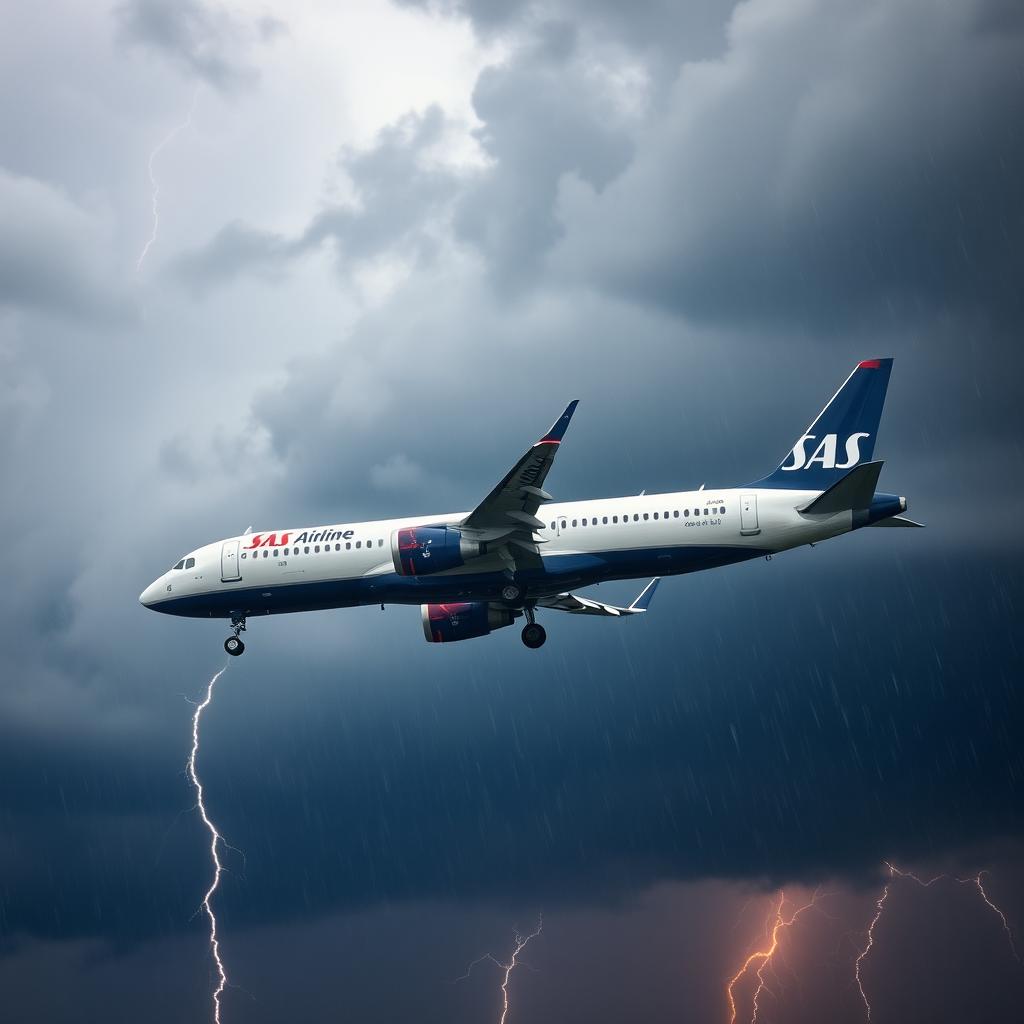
[(204, 39), (399, 194), (54, 255), (774, 721)]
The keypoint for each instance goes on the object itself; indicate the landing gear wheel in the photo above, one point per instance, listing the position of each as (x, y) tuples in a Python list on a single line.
[(512, 593), (534, 635), (234, 646)]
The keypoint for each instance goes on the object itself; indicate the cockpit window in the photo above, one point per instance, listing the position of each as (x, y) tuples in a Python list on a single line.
[(180, 565), (190, 563)]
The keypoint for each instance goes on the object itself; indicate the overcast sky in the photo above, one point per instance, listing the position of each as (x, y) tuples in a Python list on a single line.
[(281, 264)]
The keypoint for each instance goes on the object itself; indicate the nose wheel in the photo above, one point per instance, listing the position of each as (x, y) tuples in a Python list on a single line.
[(233, 645)]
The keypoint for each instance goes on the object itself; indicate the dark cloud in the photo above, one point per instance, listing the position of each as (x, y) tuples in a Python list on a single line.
[(205, 39), (544, 116), (52, 255), (835, 163)]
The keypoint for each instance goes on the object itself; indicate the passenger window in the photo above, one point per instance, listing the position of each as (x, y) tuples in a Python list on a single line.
[(583, 522), (190, 564), (316, 550), (266, 553), (721, 511), (348, 545), (646, 517), (552, 526), (574, 522), (244, 554), (675, 514), (655, 515), (666, 515), (705, 511), (276, 552), (604, 519), (563, 524), (305, 550), (615, 519), (359, 543), (380, 543)]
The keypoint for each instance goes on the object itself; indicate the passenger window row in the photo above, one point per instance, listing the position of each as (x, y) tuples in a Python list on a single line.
[(717, 510), (286, 552)]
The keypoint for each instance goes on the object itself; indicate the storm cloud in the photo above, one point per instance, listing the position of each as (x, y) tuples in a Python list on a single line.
[(371, 292)]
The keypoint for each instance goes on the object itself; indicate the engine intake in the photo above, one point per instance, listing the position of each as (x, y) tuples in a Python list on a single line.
[(423, 550), (446, 623)]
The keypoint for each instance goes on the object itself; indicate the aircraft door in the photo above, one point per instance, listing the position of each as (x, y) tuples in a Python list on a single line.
[(748, 515), (229, 565)]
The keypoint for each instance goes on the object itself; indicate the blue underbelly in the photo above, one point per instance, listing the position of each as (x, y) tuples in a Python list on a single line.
[(559, 572)]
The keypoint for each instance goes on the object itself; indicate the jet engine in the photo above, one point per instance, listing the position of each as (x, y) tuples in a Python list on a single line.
[(422, 550), (446, 623)]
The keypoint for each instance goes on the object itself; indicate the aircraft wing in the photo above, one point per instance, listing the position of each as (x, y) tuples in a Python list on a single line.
[(585, 606), (507, 518)]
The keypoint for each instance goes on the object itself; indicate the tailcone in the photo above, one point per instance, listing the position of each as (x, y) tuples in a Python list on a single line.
[(883, 506)]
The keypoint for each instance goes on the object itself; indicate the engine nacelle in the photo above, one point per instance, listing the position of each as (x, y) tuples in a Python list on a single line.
[(446, 623), (422, 550)]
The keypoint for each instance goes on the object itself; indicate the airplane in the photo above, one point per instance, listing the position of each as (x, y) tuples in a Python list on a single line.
[(518, 552)]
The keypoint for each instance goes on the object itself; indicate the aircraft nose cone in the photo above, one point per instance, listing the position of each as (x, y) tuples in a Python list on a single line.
[(148, 596)]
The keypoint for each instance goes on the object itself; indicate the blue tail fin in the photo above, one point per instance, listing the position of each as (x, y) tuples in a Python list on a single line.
[(842, 436)]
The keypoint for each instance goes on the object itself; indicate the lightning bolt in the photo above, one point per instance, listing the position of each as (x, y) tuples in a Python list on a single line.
[(215, 841), (976, 881), (775, 925), (154, 184), (521, 943), (894, 873)]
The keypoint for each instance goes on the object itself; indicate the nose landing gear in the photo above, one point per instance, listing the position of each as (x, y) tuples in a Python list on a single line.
[(233, 645)]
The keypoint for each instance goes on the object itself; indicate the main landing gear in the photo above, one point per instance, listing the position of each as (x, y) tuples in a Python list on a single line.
[(233, 645), (534, 633)]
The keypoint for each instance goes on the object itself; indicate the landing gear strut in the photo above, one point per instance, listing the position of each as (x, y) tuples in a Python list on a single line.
[(534, 633), (233, 645)]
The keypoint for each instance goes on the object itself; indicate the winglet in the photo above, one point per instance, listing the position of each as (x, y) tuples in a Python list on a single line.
[(561, 425), (642, 603)]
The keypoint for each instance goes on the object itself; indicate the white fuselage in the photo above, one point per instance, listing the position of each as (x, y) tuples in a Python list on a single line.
[(583, 542)]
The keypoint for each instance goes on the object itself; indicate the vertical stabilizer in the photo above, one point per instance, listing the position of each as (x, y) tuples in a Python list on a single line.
[(841, 437)]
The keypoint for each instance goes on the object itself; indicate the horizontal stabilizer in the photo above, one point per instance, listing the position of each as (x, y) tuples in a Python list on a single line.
[(898, 521), (586, 606), (856, 490)]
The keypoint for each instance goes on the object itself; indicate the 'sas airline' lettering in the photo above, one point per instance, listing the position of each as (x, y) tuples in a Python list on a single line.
[(274, 540)]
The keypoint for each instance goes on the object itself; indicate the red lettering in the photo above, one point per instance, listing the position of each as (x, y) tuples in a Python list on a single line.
[(270, 541)]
